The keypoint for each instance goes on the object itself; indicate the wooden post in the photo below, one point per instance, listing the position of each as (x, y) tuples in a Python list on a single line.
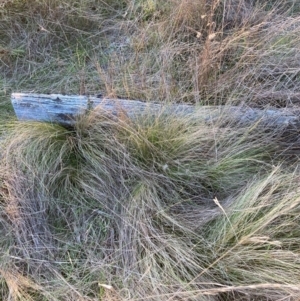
[(63, 109)]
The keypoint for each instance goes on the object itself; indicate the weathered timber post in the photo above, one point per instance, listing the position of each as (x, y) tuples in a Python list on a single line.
[(63, 109)]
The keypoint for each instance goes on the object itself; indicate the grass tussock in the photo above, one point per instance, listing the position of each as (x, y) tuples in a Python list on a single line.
[(157, 207)]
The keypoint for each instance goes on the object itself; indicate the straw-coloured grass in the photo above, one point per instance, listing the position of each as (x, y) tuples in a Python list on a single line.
[(203, 51), (157, 207)]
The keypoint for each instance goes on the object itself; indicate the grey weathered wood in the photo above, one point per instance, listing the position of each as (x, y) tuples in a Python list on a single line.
[(54, 107), (63, 109)]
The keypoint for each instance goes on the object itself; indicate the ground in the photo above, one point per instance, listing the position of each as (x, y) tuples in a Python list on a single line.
[(160, 207)]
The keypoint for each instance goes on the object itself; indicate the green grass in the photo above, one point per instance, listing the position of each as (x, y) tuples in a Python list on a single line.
[(184, 209), (158, 207), (197, 51)]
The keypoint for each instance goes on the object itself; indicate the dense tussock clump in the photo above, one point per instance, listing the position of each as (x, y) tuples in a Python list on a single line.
[(157, 207)]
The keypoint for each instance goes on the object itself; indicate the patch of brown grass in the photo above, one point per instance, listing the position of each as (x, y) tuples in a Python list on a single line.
[(159, 207)]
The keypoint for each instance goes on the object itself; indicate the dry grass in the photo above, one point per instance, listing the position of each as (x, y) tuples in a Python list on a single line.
[(158, 207), (211, 52)]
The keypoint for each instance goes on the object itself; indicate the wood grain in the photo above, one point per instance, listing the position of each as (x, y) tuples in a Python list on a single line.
[(63, 109)]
